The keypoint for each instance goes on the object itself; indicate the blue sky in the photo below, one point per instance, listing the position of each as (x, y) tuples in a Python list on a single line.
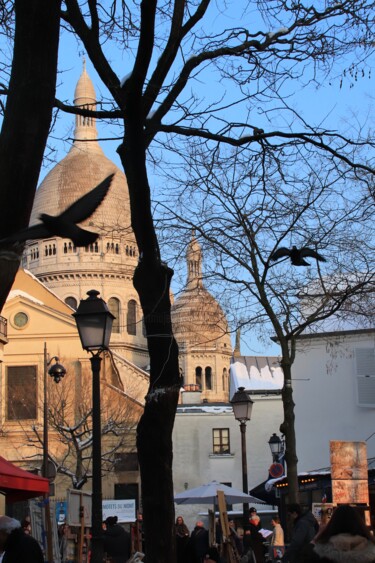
[(338, 103)]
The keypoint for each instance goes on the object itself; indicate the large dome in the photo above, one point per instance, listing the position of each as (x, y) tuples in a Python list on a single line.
[(81, 170), (78, 173)]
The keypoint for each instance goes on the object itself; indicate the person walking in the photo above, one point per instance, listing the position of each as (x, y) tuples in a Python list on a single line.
[(199, 543), (304, 530), (182, 540), (117, 542), (18, 547), (345, 539)]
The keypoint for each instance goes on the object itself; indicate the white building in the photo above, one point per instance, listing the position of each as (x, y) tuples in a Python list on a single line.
[(334, 393), (207, 438)]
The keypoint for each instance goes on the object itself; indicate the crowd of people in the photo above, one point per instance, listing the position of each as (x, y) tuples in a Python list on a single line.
[(342, 537)]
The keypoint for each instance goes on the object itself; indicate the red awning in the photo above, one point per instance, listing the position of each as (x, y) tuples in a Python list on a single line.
[(19, 484)]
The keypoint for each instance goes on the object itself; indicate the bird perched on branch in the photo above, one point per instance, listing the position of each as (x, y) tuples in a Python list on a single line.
[(297, 255), (64, 225)]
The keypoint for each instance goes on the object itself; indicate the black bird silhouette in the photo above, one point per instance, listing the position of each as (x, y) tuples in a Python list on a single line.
[(297, 255), (64, 225)]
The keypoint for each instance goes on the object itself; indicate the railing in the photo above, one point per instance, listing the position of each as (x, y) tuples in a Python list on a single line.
[(3, 326)]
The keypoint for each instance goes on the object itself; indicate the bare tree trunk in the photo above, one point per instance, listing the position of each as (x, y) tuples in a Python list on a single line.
[(27, 120), (288, 429), (152, 281)]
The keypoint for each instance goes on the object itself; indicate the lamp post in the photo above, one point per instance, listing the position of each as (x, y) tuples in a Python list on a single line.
[(276, 445), (57, 371), (242, 407), (94, 323)]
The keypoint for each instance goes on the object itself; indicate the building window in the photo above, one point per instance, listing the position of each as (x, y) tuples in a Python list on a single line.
[(21, 392), (126, 462), (208, 377), (131, 319), (114, 308), (220, 439), (198, 376), (72, 302)]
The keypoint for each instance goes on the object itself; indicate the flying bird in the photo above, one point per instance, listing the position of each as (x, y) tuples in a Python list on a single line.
[(297, 255), (65, 224)]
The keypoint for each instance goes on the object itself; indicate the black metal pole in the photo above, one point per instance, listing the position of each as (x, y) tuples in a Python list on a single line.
[(97, 551), (245, 486), (45, 416)]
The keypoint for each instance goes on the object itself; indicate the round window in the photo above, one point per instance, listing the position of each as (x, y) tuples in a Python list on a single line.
[(20, 320)]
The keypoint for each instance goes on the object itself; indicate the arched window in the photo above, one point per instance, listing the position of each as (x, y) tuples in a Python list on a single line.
[(225, 379), (198, 376), (208, 377), (114, 308), (131, 318), (72, 302)]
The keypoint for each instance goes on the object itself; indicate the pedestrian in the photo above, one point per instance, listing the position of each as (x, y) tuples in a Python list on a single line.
[(253, 539), (26, 525), (277, 537), (305, 527), (62, 534), (199, 543), (345, 539), (18, 547), (182, 540), (117, 542), (277, 540)]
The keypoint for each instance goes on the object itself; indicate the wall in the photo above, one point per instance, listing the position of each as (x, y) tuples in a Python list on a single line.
[(325, 393)]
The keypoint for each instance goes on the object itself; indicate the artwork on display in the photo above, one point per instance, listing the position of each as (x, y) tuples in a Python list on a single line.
[(349, 472)]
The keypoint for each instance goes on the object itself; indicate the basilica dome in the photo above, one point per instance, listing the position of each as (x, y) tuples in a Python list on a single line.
[(198, 320), (80, 171)]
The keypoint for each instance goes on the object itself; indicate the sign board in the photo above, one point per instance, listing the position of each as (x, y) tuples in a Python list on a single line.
[(75, 500), (349, 472), (124, 509)]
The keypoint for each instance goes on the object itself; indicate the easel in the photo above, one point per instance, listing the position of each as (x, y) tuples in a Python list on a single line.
[(229, 548)]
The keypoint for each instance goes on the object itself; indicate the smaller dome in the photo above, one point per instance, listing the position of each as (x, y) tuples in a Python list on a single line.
[(197, 317)]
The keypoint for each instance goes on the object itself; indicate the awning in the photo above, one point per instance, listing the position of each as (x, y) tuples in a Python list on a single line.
[(18, 484)]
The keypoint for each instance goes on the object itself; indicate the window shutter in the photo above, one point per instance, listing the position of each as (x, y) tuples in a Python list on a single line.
[(365, 368)]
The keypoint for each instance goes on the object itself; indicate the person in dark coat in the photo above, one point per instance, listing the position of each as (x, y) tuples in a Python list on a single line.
[(18, 546), (305, 529), (199, 543), (182, 540), (345, 539), (117, 542), (253, 539)]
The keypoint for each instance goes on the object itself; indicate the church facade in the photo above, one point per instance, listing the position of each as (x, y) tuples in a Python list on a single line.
[(55, 276)]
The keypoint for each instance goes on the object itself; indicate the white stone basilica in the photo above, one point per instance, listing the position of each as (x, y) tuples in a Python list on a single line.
[(108, 265)]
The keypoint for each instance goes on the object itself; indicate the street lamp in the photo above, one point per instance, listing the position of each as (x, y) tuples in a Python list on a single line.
[(242, 407), (57, 371), (276, 445), (94, 323)]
